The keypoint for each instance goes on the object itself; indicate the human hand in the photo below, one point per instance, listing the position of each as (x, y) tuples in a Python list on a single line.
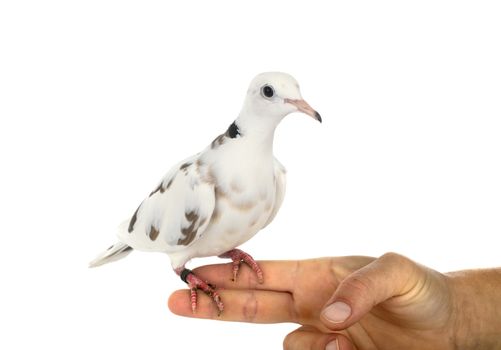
[(386, 303)]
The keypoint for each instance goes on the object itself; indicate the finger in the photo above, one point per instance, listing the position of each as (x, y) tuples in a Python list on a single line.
[(357, 294), (278, 276), (239, 305), (307, 338)]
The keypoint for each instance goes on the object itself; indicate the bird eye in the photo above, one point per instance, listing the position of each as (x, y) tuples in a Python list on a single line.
[(267, 91)]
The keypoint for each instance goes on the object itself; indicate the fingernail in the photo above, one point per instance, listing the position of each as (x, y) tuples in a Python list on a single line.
[(337, 312), (333, 345)]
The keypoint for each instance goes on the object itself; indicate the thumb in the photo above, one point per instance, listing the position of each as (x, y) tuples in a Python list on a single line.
[(357, 294)]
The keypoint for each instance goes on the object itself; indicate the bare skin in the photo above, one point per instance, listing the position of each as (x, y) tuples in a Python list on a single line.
[(390, 303)]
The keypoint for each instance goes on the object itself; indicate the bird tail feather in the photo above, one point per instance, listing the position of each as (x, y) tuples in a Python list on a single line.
[(115, 252)]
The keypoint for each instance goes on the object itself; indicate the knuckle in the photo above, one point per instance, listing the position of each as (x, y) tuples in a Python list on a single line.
[(307, 338), (296, 340), (319, 342), (250, 308), (394, 258), (358, 283), (289, 341)]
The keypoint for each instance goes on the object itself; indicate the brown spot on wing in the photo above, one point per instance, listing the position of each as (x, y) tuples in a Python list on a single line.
[(161, 188), (133, 219), (218, 141), (209, 177), (198, 165), (169, 183), (190, 232), (204, 172), (184, 167), (154, 232), (191, 216)]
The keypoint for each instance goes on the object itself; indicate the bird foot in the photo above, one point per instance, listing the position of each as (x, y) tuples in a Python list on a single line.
[(238, 256), (195, 283)]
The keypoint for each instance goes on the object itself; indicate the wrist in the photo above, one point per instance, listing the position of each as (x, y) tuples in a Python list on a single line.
[(476, 308)]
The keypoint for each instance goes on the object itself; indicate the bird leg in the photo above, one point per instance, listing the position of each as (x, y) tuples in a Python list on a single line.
[(238, 256), (194, 283)]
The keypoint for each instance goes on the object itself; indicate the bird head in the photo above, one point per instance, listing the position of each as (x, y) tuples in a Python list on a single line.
[(274, 95)]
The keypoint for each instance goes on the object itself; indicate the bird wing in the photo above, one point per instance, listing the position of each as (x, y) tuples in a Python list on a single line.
[(280, 180), (177, 212)]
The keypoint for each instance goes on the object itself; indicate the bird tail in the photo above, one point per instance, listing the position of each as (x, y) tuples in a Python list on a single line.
[(115, 252)]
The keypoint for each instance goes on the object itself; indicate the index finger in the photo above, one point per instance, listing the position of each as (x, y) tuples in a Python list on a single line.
[(239, 306)]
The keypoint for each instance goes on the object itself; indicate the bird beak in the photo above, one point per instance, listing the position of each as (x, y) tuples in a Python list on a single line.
[(304, 107)]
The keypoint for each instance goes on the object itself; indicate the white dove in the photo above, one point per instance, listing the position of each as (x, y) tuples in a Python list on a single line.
[(216, 200)]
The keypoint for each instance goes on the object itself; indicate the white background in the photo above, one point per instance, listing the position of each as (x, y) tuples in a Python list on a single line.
[(99, 98)]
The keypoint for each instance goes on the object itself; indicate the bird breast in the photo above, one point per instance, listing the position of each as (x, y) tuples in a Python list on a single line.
[(243, 205)]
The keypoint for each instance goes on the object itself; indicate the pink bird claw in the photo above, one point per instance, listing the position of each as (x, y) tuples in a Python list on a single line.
[(236, 267), (195, 283), (238, 256), (193, 299)]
